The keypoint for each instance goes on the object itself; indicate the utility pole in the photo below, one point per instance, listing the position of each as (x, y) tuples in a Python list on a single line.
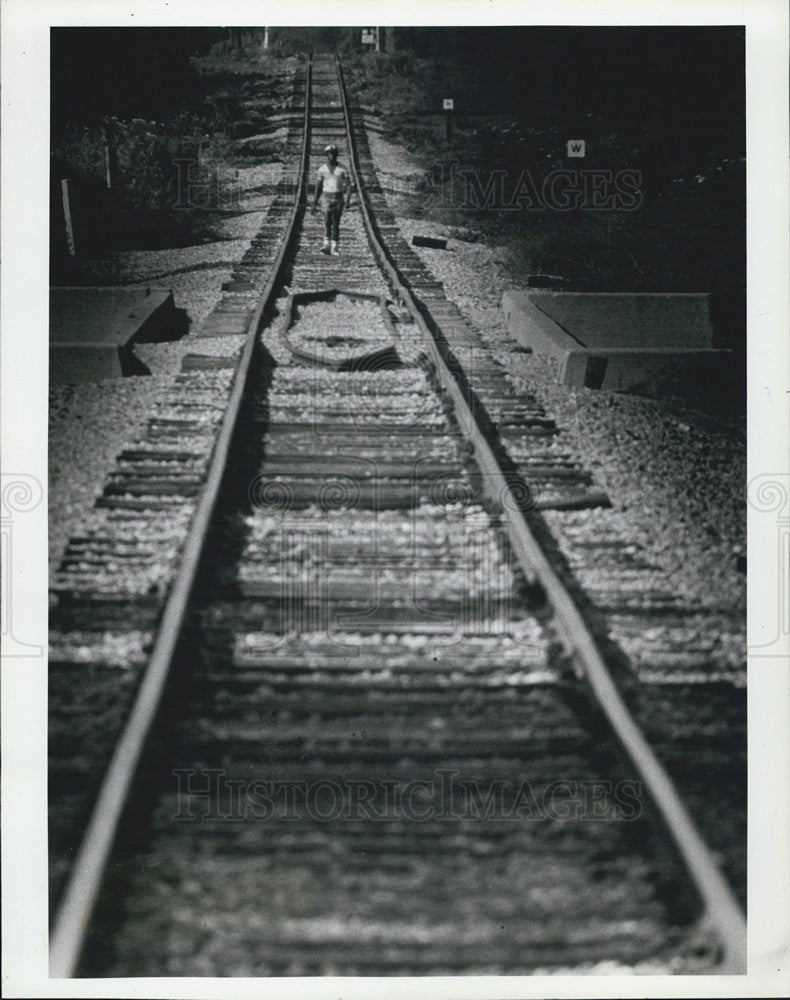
[(378, 39), (266, 38)]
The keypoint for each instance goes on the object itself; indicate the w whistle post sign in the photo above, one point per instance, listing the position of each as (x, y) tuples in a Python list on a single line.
[(575, 147)]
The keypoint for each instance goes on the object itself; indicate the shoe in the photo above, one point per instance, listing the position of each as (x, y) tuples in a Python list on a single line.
[(333, 249), (325, 247)]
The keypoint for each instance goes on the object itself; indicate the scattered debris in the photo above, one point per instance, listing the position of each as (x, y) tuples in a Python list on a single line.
[(545, 281), (429, 241)]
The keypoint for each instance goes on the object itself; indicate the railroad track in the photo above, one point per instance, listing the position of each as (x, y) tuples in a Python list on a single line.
[(360, 723)]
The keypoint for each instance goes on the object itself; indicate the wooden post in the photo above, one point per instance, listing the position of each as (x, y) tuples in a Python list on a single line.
[(266, 38), (110, 159), (64, 186)]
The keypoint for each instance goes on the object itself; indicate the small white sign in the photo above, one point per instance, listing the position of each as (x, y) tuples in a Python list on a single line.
[(448, 104), (575, 147), (368, 36)]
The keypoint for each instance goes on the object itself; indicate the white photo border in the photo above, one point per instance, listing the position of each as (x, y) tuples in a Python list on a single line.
[(25, 37)]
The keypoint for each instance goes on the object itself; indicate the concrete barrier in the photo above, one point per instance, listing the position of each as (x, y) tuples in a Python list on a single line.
[(615, 340), (92, 330)]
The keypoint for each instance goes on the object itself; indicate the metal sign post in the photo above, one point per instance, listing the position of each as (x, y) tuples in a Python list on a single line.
[(370, 36), (448, 106)]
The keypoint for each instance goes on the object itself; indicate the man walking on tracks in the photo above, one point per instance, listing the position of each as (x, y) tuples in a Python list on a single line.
[(332, 184)]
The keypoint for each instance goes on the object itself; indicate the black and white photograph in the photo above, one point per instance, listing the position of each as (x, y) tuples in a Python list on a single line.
[(407, 398)]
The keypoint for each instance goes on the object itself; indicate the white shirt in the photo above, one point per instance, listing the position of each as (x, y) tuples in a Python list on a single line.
[(335, 180)]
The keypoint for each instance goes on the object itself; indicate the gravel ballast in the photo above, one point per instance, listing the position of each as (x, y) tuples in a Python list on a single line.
[(671, 475), (675, 475), (677, 481), (90, 422), (676, 478)]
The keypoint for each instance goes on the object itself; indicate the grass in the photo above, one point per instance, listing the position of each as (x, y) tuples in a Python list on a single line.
[(234, 96)]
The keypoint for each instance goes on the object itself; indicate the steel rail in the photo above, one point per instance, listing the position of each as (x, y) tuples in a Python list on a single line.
[(721, 910), (79, 899)]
